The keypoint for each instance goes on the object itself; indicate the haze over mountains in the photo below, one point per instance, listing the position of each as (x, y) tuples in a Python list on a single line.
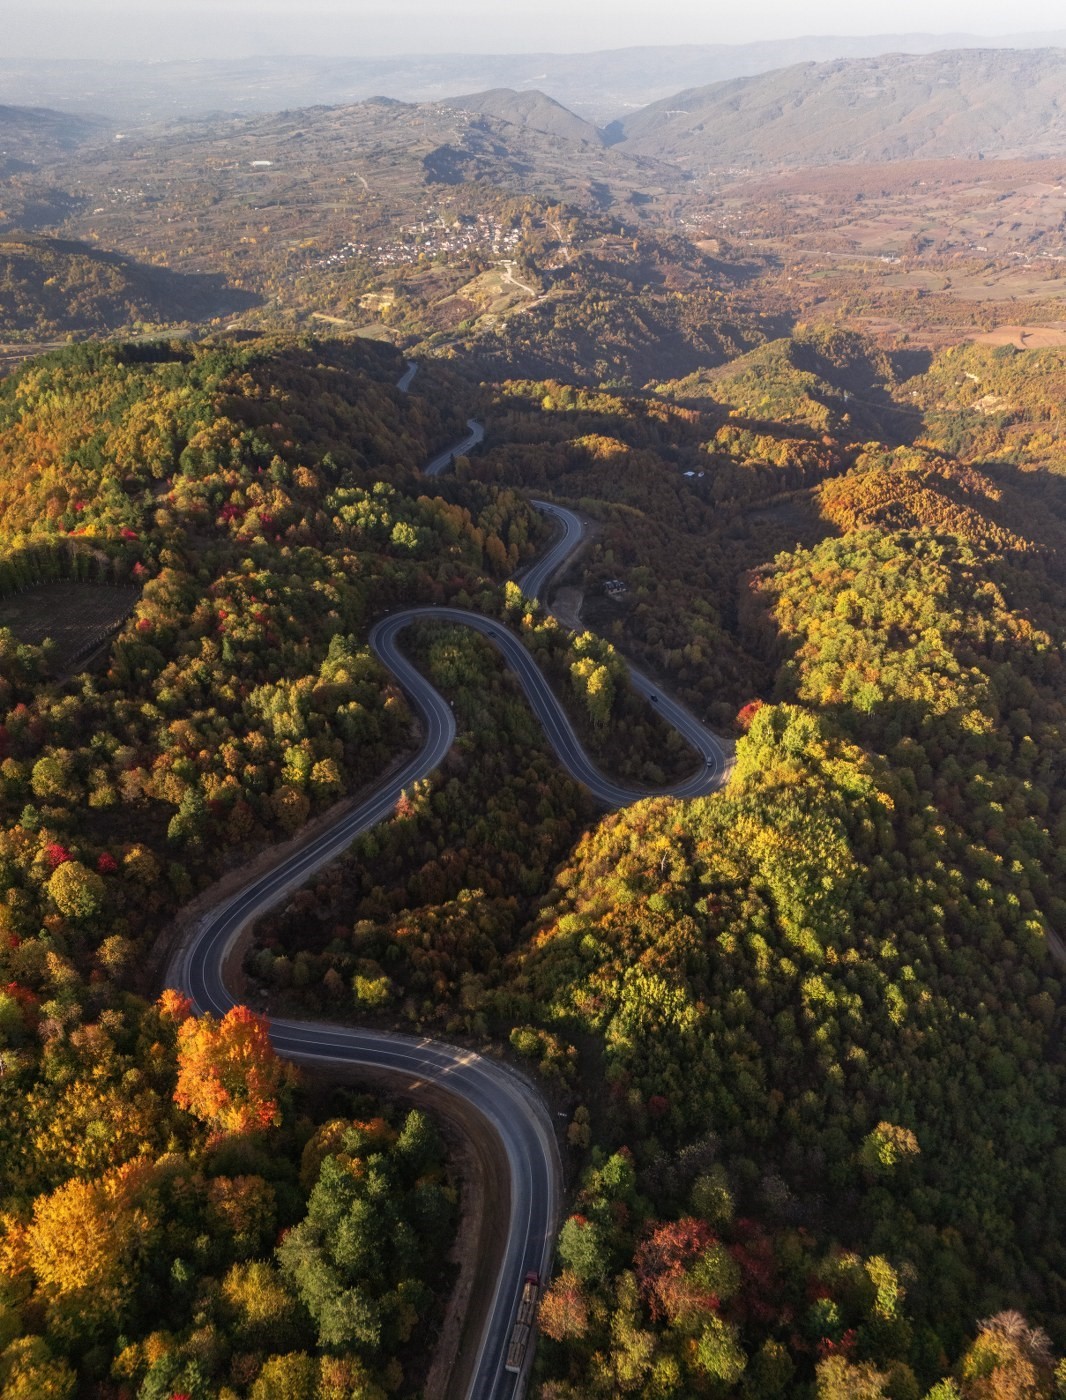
[(599, 86), (533, 109), (323, 211), (969, 102)]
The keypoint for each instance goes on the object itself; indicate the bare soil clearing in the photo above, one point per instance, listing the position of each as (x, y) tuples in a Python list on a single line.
[(566, 605), (1024, 337), (78, 617)]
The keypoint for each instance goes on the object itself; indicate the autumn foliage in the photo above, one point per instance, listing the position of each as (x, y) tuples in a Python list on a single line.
[(764, 1002), (84, 1233), (746, 714), (228, 1072)]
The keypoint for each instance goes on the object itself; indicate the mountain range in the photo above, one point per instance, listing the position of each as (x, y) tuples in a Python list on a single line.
[(601, 87), (967, 102), (963, 103), (30, 134)]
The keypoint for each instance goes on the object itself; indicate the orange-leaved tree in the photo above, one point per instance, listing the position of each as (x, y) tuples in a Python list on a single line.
[(228, 1072)]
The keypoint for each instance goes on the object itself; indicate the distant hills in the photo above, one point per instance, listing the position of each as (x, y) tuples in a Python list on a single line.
[(959, 103), (530, 109), (338, 205), (964, 103), (369, 152), (601, 86), (29, 135), (969, 103)]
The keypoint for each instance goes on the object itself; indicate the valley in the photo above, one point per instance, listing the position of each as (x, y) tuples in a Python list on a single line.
[(532, 740)]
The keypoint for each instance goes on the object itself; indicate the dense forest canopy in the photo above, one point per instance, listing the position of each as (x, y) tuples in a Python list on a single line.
[(802, 1040), (263, 503), (806, 1033), (810, 1028)]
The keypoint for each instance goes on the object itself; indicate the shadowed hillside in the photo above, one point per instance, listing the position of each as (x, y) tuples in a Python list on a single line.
[(48, 288)]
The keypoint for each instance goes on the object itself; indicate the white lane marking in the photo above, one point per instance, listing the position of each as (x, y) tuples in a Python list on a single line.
[(456, 1070)]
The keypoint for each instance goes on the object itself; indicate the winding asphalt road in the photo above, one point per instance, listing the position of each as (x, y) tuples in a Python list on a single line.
[(506, 1101), (536, 578), (474, 438), (553, 718)]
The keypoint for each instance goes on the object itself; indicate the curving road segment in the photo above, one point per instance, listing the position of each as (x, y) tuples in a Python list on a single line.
[(553, 718), (474, 438), (504, 1099), (534, 580)]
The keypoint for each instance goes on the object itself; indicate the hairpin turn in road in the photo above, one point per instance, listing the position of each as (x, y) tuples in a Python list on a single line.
[(506, 1101)]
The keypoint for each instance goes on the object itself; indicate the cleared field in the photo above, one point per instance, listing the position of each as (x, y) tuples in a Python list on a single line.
[(78, 617), (1024, 337), (937, 251)]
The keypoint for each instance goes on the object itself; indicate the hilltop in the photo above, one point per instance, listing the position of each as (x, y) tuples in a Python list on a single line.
[(966, 103), (532, 109), (370, 214), (50, 287), (483, 215), (599, 86), (521, 142)]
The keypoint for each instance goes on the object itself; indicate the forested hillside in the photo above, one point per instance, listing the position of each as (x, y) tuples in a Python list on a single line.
[(809, 1029), (50, 288), (828, 1003), (825, 1002), (800, 1041), (806, 1034), (962, 102), (263, 503)]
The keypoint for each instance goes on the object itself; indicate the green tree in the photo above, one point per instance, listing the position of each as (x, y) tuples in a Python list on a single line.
[(583, 1248), (75, 890)]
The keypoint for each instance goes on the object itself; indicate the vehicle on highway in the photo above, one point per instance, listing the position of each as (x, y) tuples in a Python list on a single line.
[(523, 1327)]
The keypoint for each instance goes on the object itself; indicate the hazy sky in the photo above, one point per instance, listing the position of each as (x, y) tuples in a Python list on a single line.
[(157, 29)]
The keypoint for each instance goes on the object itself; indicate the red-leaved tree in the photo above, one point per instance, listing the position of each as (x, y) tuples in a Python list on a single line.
[(228, 1072)]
